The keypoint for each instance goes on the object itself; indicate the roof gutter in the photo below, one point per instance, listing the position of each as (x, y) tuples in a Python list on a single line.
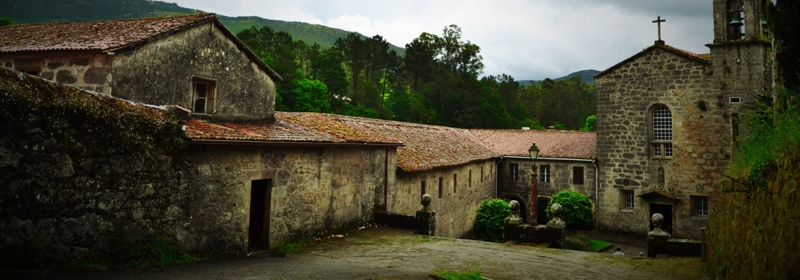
[(553, 159), (288, 144)]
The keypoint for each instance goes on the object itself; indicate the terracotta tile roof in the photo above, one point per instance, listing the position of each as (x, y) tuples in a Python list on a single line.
[(701, 58), (421, 147), (425, 146), (109, 36), (551, 143), (277, 132), (103, 36)]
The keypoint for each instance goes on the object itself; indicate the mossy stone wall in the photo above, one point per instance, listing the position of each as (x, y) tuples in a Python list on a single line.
[(77, 169), (753, 231)]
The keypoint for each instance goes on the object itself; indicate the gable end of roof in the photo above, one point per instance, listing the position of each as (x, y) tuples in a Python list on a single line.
[(699, 58)]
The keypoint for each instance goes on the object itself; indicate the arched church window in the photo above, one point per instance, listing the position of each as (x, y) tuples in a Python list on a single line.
[(662, 132)]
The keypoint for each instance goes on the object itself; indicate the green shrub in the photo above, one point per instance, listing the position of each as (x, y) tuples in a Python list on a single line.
[(577, 209), (489, 219)]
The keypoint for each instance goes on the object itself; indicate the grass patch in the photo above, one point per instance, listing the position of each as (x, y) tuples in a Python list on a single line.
[(598, 245), (456, 275)]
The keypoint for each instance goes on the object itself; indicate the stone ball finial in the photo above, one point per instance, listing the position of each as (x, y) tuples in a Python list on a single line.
[(514, 218), (426, 203), (556, 209), (657, 219), (426, 199), (657, 232), (556, 222)]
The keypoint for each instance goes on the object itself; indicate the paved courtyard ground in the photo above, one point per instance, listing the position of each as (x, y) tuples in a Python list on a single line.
[(386, 253)]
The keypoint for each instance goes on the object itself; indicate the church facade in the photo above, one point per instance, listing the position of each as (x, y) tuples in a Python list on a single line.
[(667, 120)]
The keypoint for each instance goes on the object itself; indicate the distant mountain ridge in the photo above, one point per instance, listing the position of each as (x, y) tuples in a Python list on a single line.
[(38, 11), (586, 77)]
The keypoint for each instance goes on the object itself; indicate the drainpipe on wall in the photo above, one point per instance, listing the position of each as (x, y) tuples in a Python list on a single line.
[(596, 195)]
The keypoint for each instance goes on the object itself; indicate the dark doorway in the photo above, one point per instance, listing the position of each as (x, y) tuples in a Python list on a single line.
[(258, 233), (541, 207), (666, 211)]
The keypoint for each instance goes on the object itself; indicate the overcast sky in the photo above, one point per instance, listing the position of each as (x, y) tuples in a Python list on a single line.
[(527, 39)]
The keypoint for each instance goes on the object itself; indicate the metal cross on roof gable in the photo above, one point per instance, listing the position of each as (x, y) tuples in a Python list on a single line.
[(659, 21)]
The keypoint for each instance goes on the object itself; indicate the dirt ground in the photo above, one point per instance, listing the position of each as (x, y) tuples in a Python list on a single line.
[(386, 253), (392, 248)]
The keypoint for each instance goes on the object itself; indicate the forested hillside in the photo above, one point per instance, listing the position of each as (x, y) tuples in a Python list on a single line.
[(439, 80)]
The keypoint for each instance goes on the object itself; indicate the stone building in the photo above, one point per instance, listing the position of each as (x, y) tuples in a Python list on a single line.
[(247, 177), (667, 119), (566, 162), (191, 61)]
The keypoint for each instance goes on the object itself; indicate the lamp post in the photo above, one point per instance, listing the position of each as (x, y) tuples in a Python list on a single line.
[(534, 153)]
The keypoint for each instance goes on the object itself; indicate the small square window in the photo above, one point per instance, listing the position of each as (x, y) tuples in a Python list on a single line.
[(735, 100), (700, 205), (545, 173), (627, 199), (662, 150), (203, 94)]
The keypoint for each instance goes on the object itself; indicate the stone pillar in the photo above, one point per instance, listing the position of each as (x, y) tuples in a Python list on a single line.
[(511, 224), (657, 238), (556, 227), (426, 218)]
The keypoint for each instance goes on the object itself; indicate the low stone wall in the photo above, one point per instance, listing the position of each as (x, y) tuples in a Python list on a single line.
[(673, 247), (553, 233), (424, 222), (658, 242)]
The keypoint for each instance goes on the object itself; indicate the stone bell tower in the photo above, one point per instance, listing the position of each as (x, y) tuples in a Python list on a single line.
[(742, 57)]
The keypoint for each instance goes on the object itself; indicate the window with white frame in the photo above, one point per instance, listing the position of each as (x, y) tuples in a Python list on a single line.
[(203, 91), (545, 171), (700, 205), (627, 199)]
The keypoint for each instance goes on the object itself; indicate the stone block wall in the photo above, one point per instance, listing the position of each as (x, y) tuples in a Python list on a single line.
[(90, 71), (561, 173), (78, 169), (312, 191), (161, 72), (701, 139), (455, 210)]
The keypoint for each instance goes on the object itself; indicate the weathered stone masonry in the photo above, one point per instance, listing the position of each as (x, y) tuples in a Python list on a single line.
[(455, 209), (312, 190)]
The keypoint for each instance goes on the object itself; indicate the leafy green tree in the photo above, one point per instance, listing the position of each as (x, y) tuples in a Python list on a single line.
[(577, 209), (6, 21), (488, 224), (310, 96), (590, 123)]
